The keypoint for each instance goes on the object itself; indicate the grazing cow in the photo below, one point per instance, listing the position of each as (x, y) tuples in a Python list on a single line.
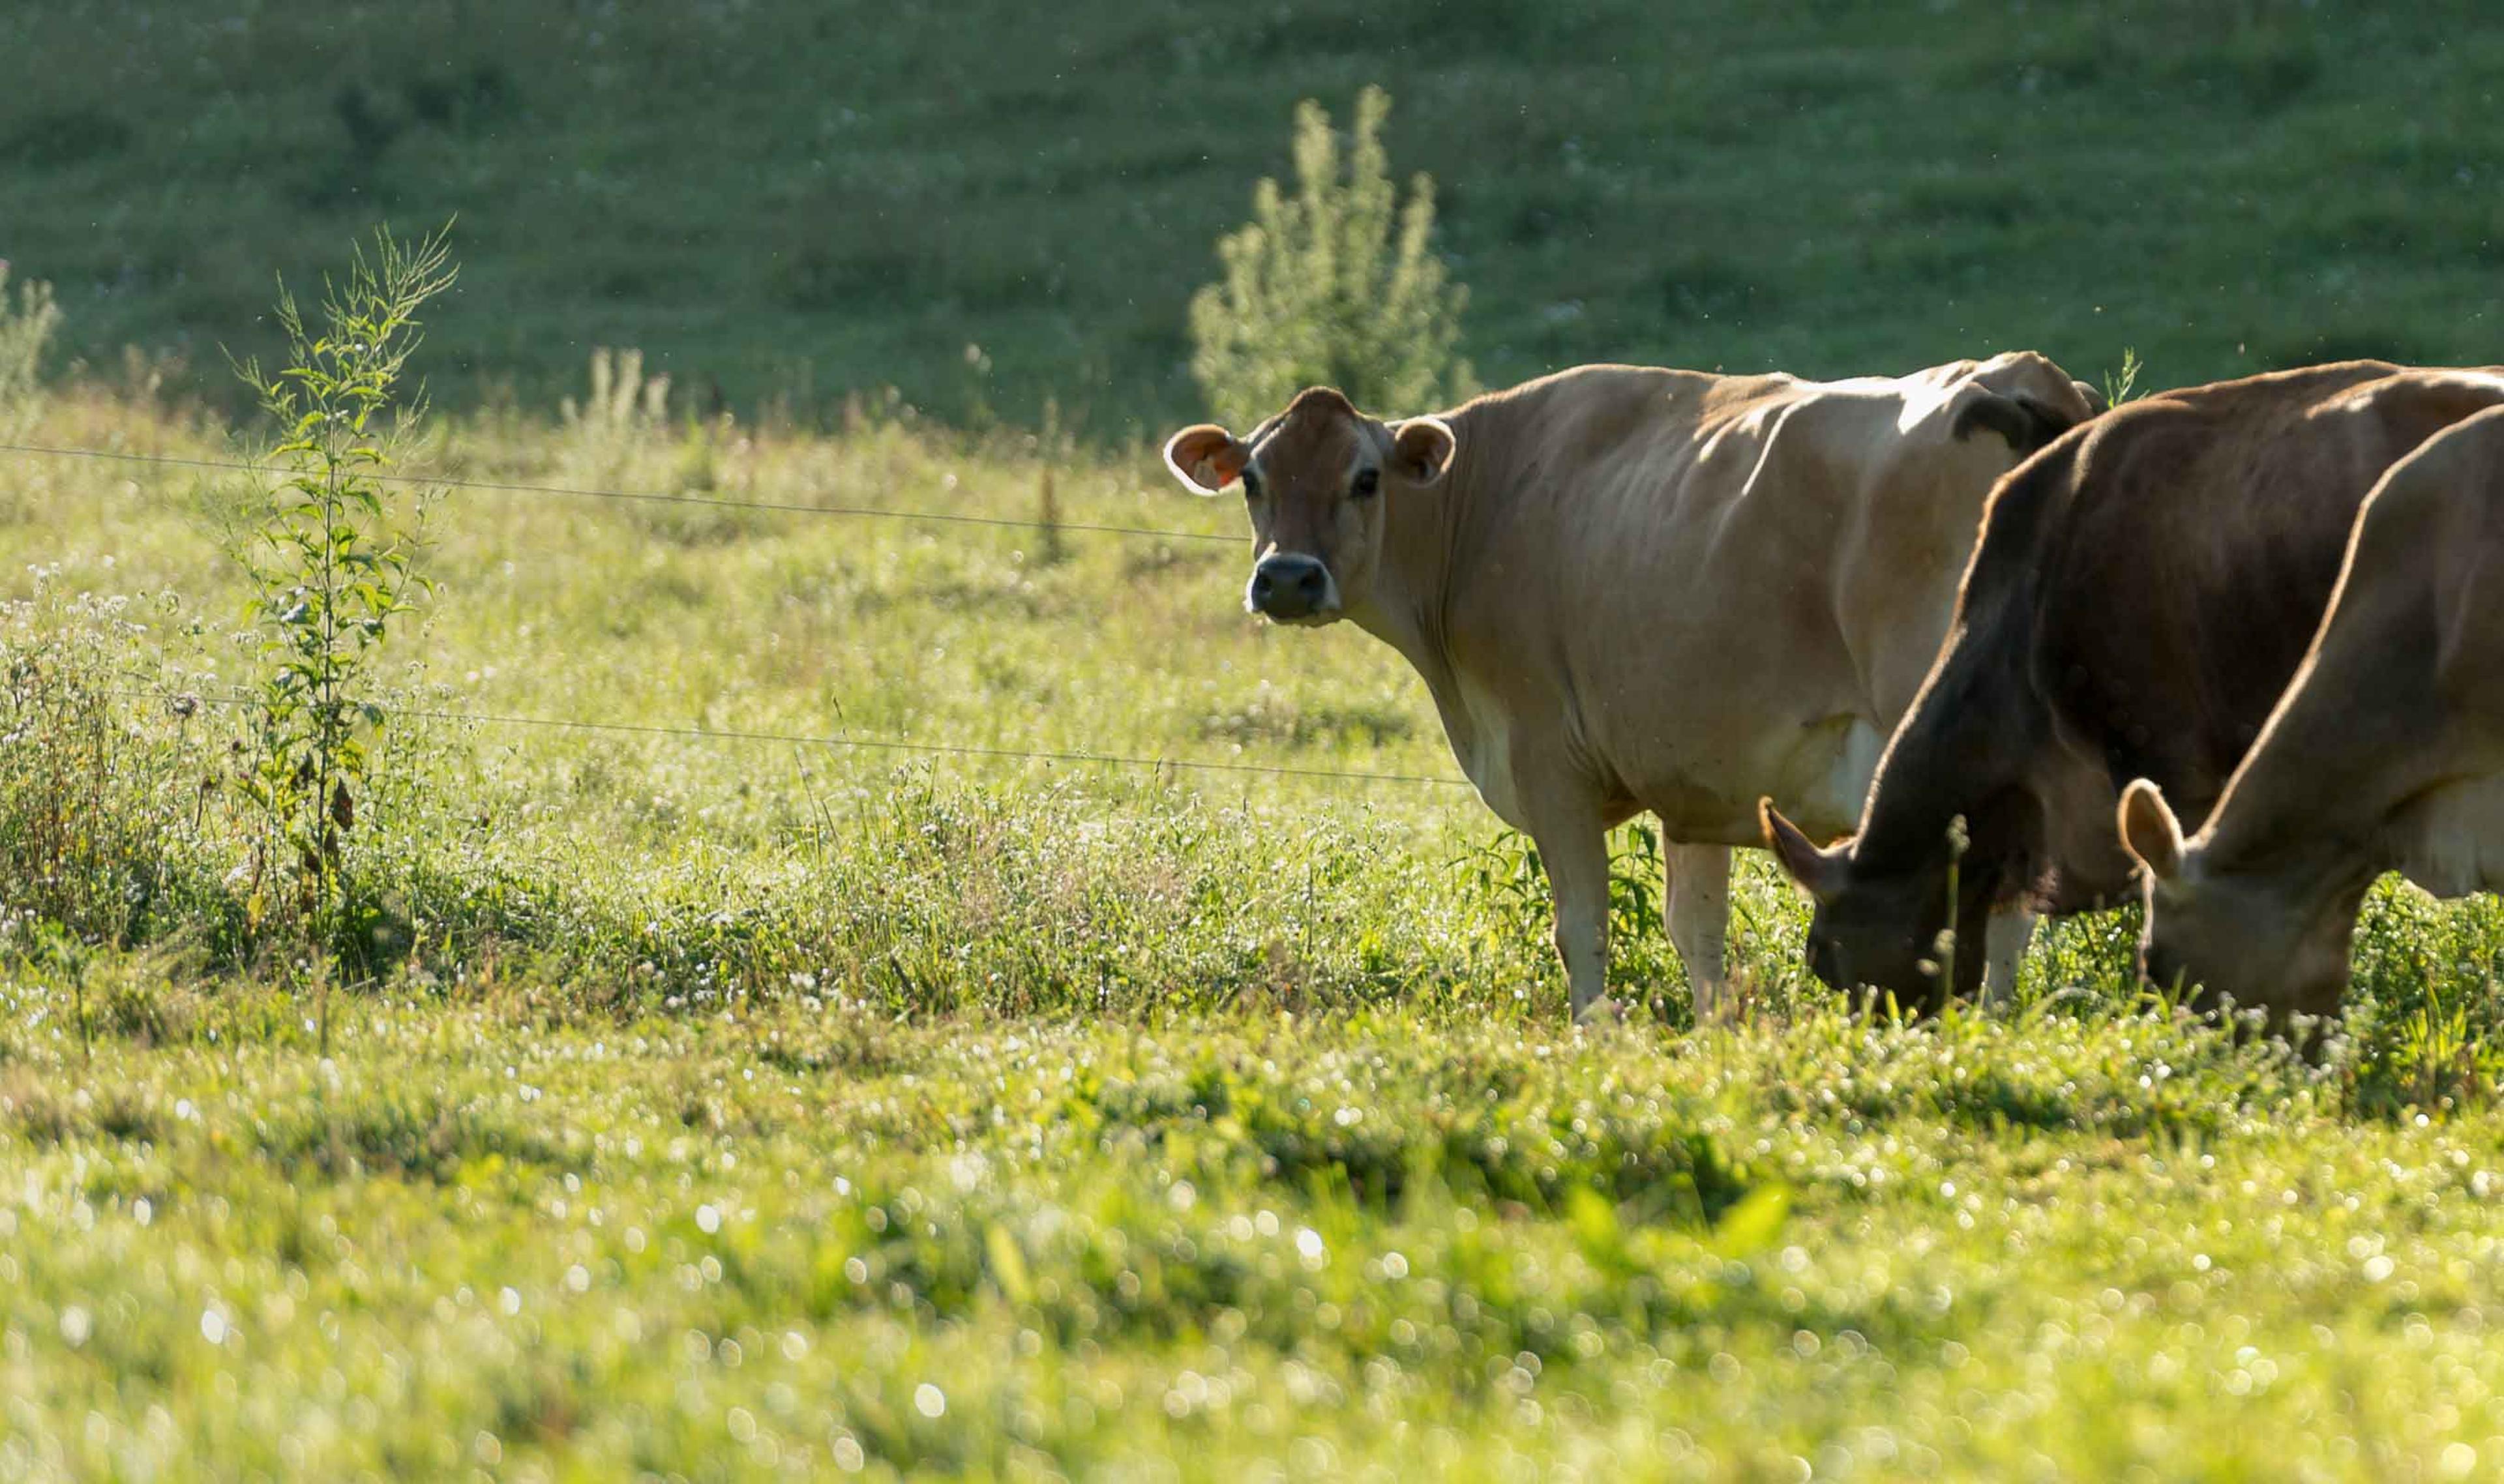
[(2140, 594), (2385, 753), (1633, 589)]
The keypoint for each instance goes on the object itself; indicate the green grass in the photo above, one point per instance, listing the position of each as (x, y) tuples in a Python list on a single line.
[(797, 1242), (706, 1102), (707, 1109), (790, 201)]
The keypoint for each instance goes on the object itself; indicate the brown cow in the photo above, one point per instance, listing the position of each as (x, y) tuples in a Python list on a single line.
[(1632, 589), (2140, 594), (2385, 753)]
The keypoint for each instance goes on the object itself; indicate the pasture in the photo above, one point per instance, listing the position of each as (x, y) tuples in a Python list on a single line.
[(861, 958), (739, 1108)]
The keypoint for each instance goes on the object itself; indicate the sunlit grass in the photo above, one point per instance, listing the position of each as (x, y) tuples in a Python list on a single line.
[(738, 1110), (491, 1231)]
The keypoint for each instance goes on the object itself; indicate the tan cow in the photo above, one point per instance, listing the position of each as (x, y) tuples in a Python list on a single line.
[(2142, 594), (1632, 589), (2385, 753)]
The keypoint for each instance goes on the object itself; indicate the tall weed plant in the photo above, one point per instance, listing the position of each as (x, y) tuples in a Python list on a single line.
[(623, 416), (624, 436), (332, 559), (27, 329), (1337, 285)]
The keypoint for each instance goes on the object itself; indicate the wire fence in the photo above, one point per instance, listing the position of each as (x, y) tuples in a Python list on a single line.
[(642, 496), (736, 735), (179, 699)]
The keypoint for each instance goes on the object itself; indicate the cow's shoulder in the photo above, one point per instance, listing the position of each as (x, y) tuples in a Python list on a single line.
[(2427, 399), (2443, 505)]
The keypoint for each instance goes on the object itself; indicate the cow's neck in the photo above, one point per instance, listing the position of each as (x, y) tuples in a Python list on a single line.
[(1962, 752), (1409, 606)]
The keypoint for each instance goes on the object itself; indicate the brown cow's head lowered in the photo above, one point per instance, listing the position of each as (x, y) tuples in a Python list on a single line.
[(1914, 929), (2277, 938), (1315, 479)]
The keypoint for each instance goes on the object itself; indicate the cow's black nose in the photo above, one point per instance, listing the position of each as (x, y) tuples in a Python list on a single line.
[(1289, 586)]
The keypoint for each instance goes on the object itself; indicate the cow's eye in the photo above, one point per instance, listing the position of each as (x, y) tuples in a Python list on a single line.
[(1366, 482)]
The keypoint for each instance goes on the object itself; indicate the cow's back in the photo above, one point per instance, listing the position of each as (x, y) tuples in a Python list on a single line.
[(2167, 566), (1727, 586)]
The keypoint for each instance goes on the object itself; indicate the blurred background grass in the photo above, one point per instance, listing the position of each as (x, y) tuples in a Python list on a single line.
[(783, 202)]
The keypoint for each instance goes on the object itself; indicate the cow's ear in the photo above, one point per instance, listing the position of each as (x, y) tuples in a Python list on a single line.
[(1821, 871), (2097, 406), (2025, 422), (2149, 832), (1422, 449), (1206, 458)]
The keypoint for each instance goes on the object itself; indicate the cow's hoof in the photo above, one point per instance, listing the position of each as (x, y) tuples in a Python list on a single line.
[(1716, 1010), (1603, 1010)]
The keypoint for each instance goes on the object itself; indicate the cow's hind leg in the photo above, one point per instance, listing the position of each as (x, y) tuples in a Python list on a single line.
[(2005, 939), (1574, 843), (1699, 921)]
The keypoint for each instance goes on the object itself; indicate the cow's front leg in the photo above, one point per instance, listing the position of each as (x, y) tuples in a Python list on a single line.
[(1574, 845), (1699, 918), (2004, 937)]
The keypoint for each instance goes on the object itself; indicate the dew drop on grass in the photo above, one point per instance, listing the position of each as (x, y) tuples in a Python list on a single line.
[(708, 1220), (929, 1400), (213, 1326)]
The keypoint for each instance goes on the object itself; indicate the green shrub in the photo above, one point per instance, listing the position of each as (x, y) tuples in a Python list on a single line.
[(1336, 286)]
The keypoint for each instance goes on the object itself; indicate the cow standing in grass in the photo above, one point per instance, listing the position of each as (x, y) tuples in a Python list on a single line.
[(2140, 596), (1631, 589), (2386, 753)]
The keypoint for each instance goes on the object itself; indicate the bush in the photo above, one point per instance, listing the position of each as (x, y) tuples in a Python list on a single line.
[(1336, 287)]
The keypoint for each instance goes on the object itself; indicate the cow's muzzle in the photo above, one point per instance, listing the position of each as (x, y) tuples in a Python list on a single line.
[(1292, 588)]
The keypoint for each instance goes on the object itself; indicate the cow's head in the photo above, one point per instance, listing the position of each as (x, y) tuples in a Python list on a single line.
[(1884, 929), (1315, 480), (2277, 939)]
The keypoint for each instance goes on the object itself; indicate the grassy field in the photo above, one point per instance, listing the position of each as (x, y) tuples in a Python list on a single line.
[(784, 201), (743, 1109), (845, 994)]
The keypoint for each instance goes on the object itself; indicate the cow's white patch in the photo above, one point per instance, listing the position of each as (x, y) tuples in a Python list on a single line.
[(2458, 843), (1837, 781)]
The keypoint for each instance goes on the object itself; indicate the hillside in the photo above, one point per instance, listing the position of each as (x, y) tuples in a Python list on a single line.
[(782, 201)]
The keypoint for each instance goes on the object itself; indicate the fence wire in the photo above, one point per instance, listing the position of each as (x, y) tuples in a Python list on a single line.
[(643, 496), (711, 733), (179, 699)]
